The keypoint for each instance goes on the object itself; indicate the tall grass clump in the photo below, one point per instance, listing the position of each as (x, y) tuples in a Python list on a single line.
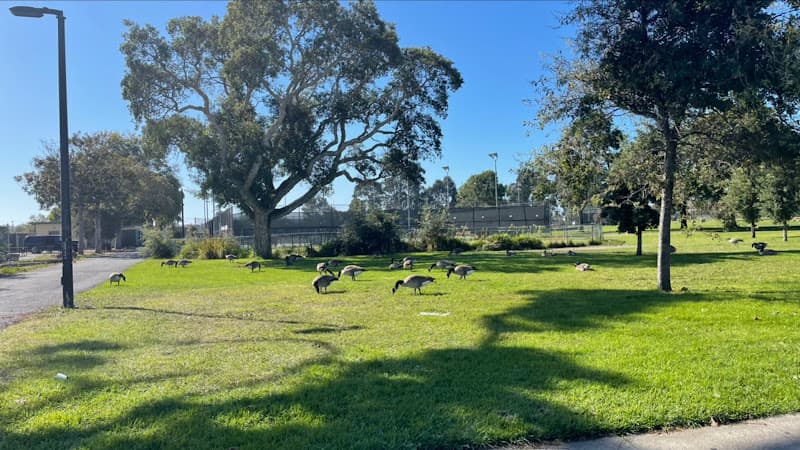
[(159, 244)]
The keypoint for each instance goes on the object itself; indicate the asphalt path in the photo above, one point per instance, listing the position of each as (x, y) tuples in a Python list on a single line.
[(32, 291)]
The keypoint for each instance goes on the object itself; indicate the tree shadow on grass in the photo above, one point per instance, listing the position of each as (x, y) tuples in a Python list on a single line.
[(435, 398), (233, 317)]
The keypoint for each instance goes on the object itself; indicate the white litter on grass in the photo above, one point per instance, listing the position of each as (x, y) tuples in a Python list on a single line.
[(435, 314), (61, 376)]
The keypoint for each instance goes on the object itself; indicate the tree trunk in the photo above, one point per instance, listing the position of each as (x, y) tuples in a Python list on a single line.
[(98, 231), (638, 241), (81, 227), (753, 229), (263, 233), (785, 232), (665, 218)]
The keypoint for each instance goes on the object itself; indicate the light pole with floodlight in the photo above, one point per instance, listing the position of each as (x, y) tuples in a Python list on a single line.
[(493, 155), (66, 225)]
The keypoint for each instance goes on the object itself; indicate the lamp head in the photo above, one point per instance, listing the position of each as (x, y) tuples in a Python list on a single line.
[(30, 11), (493, 155)]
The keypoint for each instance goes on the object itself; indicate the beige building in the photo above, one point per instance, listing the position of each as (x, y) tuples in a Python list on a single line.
[(46, 229)]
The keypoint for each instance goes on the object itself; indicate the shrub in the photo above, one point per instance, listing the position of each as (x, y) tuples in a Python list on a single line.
[(159, 244), (501, 241), (527, 242), (190, 249), (433, 231), (213, 248)]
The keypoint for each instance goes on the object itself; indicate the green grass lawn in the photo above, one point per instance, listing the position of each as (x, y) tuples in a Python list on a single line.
[(214, 356)]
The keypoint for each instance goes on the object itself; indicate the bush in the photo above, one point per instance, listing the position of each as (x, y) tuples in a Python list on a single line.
[(159, 244), (213, 248), (370, 233), (433, 231), (527, 242)]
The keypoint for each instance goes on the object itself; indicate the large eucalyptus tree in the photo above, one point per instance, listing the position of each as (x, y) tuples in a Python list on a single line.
[(280, 97)]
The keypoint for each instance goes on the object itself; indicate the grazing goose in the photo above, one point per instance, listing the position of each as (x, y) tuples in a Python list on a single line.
[(408, 264), (510, 253), (462, 271), (231, 258), (322, 282), (184, 262), (571, 253), (395, 265), (413, 281), (253, 265), (582, 267), (352, 271), (734, 240), (759, 246), (116, 276), (169, 262), (323, 267), (442, 264)]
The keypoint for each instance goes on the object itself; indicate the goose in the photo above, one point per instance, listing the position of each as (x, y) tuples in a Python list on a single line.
[(462, 271), (546, 253), (456, 251), (253, 265), (571, 253), (231, 258), (352, 271), (582, 267), (408, 258), (323, 281), (767, 252), (510, 253), (395, 265), (184, 262), (759, 246), (116, 276), (413, 281), (408, 264), (442, 264), (323, 267), (734, 240), (169, 262)]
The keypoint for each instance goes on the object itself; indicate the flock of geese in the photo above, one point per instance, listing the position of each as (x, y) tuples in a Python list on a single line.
[(415, 282), (326, 276)]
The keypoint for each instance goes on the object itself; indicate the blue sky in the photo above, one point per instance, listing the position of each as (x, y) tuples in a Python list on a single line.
[(499, 47)]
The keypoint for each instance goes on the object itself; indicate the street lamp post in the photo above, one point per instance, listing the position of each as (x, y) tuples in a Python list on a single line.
[(66, 225), (493, 155), (447, 186)]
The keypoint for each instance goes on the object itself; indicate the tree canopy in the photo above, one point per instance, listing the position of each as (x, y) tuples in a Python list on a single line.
[(479, 190), (664, 62), (113, 176), (284, 96)]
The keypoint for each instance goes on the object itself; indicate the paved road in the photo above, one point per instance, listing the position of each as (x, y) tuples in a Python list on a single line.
[(32, 291)]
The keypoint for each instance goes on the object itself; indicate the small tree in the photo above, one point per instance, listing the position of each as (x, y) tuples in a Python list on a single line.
[(742, 195), (780, 195), (434, 229)]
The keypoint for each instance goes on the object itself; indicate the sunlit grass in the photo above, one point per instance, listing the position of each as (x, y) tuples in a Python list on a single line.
[(214, 356)]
